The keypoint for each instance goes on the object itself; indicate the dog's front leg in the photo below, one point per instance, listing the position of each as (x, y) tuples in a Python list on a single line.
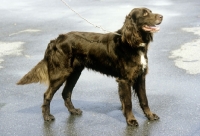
[(125, 98), (141, 93)]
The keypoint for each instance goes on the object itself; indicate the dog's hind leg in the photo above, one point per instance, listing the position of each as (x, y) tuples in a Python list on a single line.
[(67, 91), (48, 95), (125, 98), (141, 93)]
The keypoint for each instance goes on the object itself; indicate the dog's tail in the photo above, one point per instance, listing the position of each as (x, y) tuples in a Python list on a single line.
[(38, 74)]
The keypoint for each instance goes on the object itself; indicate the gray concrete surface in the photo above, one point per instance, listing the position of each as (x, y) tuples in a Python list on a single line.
[(173, 86)]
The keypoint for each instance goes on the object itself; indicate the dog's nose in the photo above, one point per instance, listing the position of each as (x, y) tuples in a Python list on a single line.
[(160, 16)]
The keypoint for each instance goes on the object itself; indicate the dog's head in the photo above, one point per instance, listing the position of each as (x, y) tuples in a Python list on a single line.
[(145, 20), (138, 21)]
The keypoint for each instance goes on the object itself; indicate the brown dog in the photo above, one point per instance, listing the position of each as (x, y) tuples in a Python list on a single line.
[(122, 55)]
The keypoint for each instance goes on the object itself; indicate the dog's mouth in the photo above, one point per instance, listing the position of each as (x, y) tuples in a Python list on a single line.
[(152, 29)]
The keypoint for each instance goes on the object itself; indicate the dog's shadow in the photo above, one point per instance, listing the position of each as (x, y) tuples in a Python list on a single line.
[(109, 109)]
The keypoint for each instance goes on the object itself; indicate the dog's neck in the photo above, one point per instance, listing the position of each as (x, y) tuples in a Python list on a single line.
[(147, 37)]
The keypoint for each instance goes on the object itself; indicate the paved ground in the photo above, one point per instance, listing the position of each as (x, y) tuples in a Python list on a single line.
[(173, 87)]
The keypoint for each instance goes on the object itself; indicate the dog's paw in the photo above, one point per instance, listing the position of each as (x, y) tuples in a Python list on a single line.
[(75, 111), (132, 122), (48, 117), (152, 116)]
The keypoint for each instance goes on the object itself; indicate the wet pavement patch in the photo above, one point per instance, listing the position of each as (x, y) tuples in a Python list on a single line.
[(2, 104)]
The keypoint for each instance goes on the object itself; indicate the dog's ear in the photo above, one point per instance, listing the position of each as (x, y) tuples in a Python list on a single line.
[(130, 32), (134, 14)]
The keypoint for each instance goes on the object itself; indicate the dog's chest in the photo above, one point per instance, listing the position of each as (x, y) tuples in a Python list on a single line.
[(143, 60)]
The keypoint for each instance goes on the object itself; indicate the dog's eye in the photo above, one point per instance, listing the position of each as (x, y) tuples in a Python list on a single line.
[(145, 14)]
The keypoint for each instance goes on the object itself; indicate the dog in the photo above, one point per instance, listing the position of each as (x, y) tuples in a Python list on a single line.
[(122, 55)]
